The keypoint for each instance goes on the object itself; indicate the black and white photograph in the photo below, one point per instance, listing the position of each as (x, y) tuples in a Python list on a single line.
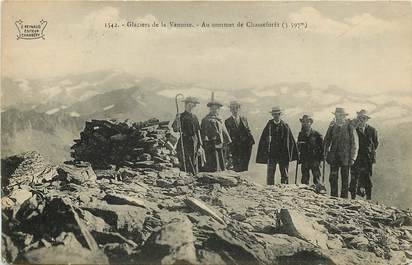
[(206, 132)]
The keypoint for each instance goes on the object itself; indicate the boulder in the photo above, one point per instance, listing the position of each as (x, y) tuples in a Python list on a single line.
[(93, 223), (360, 243), (118, 253), (261, 224), (208, 257), (63, 254), (58, 216), (20, 195), (347, 228), (68, 239), (238, 216), (104, 238), (224, 178), (25, 168), (172, 244), (297, 225), (9, 251), (78, 173), (30, 208), (163, 183), (121, 199), (278, 245), (233, 245), (21, 239), (352, 257), (126, 219)]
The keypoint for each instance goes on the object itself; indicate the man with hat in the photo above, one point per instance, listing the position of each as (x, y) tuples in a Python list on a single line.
[(188, 123), (276, 147), (310, 146), (361, 171), (341, 149), (215, 137), (242, 140)]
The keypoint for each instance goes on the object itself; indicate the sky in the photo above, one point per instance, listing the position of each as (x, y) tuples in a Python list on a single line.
[(363, 47)]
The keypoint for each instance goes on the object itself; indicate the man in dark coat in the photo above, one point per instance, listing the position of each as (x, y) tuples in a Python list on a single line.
[(192, 142), (215, 137), (276, 147), (361, 171), (310, 145), (341, 148), (242, 139)]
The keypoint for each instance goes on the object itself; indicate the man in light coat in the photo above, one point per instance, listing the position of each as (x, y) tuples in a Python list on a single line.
[(215, 137), (341, 148)]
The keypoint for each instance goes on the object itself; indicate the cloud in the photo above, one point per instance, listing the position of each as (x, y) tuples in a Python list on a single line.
[(356, 26)]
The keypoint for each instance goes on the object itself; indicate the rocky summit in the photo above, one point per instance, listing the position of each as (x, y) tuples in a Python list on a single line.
[(80, 214)]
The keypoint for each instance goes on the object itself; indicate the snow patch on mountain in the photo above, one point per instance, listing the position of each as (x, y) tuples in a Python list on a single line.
[(52, 111), (108, 107), (23, 84), (74, 114), (139, 100)]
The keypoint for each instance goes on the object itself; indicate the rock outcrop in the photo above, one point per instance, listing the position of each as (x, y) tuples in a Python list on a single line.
[(74, 213)]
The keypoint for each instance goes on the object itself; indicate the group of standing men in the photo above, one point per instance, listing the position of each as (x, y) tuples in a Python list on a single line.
[(349, 146)]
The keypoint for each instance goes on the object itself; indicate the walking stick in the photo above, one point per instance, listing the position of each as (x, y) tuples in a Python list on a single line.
[(268, 160), (218, 167), (323, 165), (180, 131), (296, 172), (297, 167)]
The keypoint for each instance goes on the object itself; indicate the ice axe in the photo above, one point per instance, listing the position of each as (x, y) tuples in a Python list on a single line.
[(296, 172), (180, 130), (323, 165), (297, 165)]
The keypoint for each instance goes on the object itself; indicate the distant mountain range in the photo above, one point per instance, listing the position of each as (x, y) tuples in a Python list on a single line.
[(47, 114)]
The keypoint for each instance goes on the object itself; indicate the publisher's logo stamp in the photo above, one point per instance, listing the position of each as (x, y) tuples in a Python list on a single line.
[(30, 31)]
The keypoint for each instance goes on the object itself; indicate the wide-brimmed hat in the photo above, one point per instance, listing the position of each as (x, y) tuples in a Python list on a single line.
[(363, 113), (214, 102), (306, 117), (340, 110), (234, 103), (276, 109), (191, 100)]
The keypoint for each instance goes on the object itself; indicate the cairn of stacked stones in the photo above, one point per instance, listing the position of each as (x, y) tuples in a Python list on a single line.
[(105, 144)]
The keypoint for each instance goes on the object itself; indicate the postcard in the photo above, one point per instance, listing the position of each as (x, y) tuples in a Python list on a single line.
[(206, 132)]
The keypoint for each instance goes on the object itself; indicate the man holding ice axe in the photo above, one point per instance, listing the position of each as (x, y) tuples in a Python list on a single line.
[(189, 145)]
